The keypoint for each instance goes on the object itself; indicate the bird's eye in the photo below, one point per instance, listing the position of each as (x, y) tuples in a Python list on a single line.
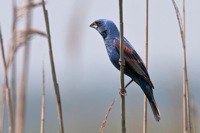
[(98, 23)]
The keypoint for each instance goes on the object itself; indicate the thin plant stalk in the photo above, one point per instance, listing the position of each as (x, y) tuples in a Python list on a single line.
[(43, 102), (19, 128), (2, 106), (107, 114), (103, 125), (13, 73), (146, 64), (185, 74), (122, 64), (56, 86), (185, 118), (6, 87), (186, 103)]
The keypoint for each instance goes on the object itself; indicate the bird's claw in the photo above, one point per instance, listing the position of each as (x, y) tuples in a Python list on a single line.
[(121, 62), (123, 93)]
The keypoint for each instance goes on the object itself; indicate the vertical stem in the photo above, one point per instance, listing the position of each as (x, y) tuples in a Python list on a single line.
[(186, 103), (19, 128), (122, 64), (2, 106), (13, 73), (123, 116), (6, 87), (184, 76), (56, 86), (187, 122), (146, 64), (43, 101)]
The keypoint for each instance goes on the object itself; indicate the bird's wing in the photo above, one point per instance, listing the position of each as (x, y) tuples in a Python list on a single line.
[(134, 61)]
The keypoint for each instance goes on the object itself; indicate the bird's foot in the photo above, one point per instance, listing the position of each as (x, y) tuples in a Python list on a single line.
[(123, 92)]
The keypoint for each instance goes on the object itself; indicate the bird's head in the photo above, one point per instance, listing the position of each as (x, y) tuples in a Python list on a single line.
[(105, 27)]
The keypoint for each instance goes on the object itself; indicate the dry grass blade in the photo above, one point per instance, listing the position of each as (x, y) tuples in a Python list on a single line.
[(21, 11), (178, 15), (20, 113), (20, 39), (43, 101), (6, 87), (56, 86), (107, 114), (110, 107), (20, 35)]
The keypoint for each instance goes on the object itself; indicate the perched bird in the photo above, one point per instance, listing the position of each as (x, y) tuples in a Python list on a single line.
[(134, 66)]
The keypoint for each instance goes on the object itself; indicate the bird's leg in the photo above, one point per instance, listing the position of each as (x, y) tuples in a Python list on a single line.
[(126, 87), (128, 83)]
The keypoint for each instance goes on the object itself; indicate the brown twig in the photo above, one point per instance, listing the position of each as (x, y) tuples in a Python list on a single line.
[(107, 114), (56, 86), (103, 125)]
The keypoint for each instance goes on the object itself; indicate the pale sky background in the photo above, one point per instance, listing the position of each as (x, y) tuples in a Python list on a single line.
[(88, 81)]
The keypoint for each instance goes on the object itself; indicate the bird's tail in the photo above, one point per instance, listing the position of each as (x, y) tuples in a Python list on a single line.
[(155, 110), (149, 94)]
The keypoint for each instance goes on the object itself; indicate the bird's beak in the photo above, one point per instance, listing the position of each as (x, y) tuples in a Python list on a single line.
[(94, 25)]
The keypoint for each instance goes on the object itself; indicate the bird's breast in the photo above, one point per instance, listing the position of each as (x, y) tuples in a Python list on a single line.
[(112, 52), (114, 57)]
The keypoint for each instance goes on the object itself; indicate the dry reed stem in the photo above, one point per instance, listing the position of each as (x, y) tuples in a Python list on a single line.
[(6, 87), (186, 103), (13, 69), (18, 36), (110, 108), (185, 74), (2, 106), (193, 116), (19, 128), (146, 64), (122, 64), (56, 86), (145, 115), (43, 101), (179, 19), (107, 114), (21, 11)]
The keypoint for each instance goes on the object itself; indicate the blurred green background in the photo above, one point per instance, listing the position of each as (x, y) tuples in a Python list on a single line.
[(88, 81)]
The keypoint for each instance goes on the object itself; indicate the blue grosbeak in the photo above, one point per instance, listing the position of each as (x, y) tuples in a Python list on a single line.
[(134, 66)]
